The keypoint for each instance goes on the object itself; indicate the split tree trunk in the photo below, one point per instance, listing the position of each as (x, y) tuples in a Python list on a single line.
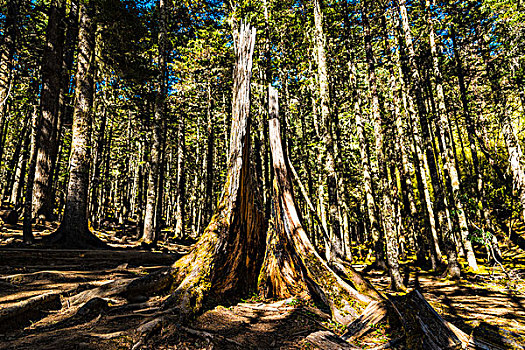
[(292, 266), (225, 262)]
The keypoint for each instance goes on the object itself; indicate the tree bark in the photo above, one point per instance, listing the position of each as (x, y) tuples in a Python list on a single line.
[(28, 200), (292, 265), (43, 201), (156, 149), (328, 155), (74, 231), (387, 185)]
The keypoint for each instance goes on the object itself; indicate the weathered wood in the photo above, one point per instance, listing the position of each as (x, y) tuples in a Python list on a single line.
[(22, 313), (225, 262), (424, 328), (328, 340), (292, 264), (374, 313)]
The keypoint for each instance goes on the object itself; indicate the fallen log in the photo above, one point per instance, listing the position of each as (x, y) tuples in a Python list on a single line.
[(373, 314)]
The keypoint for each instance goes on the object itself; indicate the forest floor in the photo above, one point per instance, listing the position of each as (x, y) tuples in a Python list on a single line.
[(40, 284)]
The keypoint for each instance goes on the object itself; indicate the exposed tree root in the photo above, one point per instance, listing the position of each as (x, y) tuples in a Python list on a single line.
[(22, 313), (131, 289), (74, 238)]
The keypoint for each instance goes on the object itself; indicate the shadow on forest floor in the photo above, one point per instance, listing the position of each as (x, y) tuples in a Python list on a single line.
[(476, 304)]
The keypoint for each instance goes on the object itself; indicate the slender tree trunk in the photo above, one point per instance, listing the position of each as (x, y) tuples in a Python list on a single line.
[(427, 159), (210, 141), (180, 207), (74, 230), (28, 201), (7, 54), (367, 174), (156, 149), (49, 101), (328, 157), (96, 180), (18, 180), (386, 178), (16, 158), (453, 269)]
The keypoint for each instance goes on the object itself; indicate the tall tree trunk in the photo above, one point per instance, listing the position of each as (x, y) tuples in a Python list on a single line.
[(427, 159), (7, 55), (28, 200), (49, 102), (453, 269), (291, 265), (367, 173), (210, 143), (328, 157), (74, 230), (156, 148), (386, 178), (180, 206)]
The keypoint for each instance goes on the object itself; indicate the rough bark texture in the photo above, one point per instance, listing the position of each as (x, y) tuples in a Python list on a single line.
[(225, 262), (49, 102), (74, 229)]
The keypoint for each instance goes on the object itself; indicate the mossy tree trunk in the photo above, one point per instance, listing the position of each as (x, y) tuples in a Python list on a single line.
[(225, 262)]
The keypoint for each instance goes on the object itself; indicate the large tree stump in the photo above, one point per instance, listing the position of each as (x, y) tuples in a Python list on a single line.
[(225, 262)]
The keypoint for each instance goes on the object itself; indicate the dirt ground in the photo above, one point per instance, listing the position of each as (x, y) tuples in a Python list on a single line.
[(28, 276)]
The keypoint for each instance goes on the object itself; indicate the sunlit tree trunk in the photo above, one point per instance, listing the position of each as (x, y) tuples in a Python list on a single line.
[(328, 157), (387, 184), (156, 148), (453, 269)]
